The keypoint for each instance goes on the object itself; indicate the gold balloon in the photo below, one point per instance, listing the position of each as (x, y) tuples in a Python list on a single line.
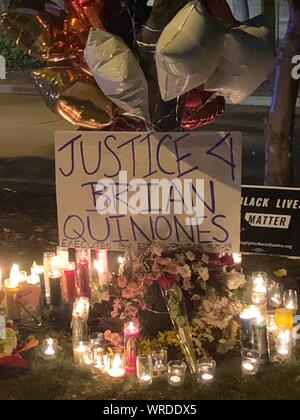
[(30, 32), (74, 96)]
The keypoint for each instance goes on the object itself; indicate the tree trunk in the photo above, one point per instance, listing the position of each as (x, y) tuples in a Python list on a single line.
[(241, 10), (164, 115), (280, 124)]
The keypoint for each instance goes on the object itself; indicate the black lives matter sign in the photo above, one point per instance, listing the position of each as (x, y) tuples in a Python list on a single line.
[(270, 220)]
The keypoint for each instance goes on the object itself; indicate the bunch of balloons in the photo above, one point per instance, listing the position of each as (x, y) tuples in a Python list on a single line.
[(93, 77)]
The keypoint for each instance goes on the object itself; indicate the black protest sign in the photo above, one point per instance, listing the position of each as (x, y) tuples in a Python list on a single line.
[(271, 220)]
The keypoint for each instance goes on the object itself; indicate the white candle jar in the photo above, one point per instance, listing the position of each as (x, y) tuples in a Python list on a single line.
[(144, 369), (250, 362), (176, 373), (206, 370), (49, 349)]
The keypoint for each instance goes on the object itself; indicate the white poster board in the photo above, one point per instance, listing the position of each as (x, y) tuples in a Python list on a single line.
[(171, 188)]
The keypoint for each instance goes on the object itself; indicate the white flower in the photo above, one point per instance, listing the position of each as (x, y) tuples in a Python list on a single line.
[(235, 280), (185, 271), (203, 273)]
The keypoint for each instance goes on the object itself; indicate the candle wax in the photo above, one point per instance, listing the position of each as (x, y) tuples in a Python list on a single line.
[(207, 377), (248, 366), (175, 379)]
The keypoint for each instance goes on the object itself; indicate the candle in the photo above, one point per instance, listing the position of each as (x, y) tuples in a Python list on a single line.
[(116, 366), (284, 318), (290, 300), (259, 287), (38, 270), (63, 255), (70, 282), (275, 295), (250, 362), (284, 344), (206, 370), (55, 283), (131, 332), (237, 258), (79, 320), (11, 289), (176, 372), (47, 259), (50, 347), (79, 351), (144, 368), (101, 266)]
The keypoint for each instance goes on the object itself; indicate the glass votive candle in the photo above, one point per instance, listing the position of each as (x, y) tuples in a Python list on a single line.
[(49, 349), (250, 362), (284, 319), (275, 295), (206, 370), (79, 351), (116, 365), (259, 287), (96, 339), (144, 369), (284, 344), (290, 300), (98, 359), (88, 357), (176, 372), (160, 361)]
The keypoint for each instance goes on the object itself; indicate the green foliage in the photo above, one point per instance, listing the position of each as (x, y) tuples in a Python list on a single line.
[(15, 58)]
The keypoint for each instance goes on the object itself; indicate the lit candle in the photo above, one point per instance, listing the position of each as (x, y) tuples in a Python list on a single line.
[(50, 347), (38, 270), (176, 372), (284, 344), (79, 351), (131, 332), (11, 289), (47, 260), (116, 369), (237, 258), (250, 362), (206, 370), (259, 287), (63, 255)]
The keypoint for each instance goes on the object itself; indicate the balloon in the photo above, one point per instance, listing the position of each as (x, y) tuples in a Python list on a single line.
[(188, 50), (247, 60), (201, 108), (38, 34), (117, 73), (74, 96)]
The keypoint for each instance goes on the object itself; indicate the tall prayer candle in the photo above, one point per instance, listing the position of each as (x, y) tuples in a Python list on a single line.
[(70, 283), (11, 289), (131, 333), (55, 282), (47, 261), (83, 263)]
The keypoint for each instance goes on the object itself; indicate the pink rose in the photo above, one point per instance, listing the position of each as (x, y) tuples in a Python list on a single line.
[(173, 268), (131, 311), (107, 335), (122, 282), (166, 281)]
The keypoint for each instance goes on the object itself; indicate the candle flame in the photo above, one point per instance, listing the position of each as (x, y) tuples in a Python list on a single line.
[(14, 276)]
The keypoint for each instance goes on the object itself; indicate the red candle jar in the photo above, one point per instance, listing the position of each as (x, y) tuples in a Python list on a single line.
[(70, 283), (131, 334)]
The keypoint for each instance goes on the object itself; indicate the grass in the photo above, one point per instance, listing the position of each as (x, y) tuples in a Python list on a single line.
[(62, 381)]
